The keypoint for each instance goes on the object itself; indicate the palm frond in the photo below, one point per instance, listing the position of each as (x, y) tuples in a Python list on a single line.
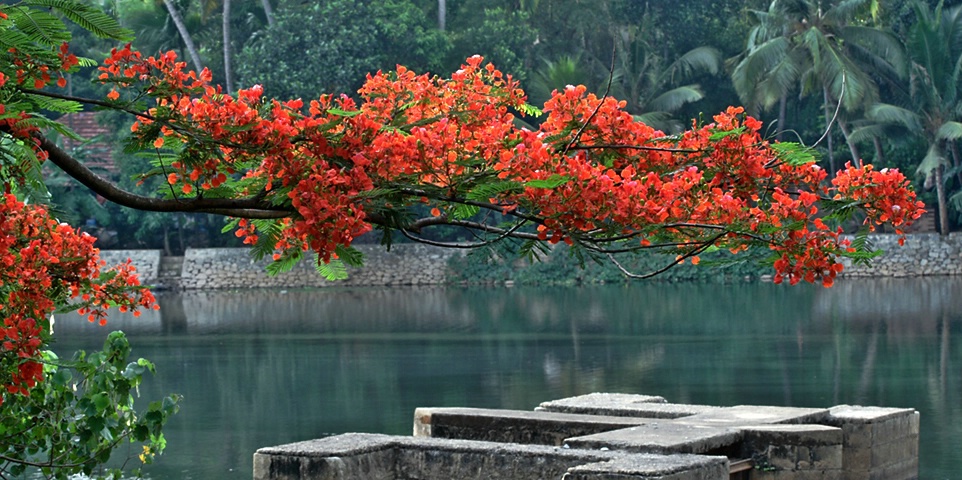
[(675, 98), (867, 133), (949, 131), (934, 158), (696, 60), (894, 115), (756, 65)]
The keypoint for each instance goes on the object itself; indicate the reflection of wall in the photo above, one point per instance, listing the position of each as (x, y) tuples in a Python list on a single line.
[(912, 300), (922, 254)]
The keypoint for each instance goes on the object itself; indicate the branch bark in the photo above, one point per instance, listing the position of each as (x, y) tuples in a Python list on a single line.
[(250, 207)]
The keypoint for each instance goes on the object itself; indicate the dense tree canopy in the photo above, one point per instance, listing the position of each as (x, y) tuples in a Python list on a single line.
[(406, 153)]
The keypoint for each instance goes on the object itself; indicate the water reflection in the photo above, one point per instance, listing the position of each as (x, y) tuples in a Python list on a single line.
[(267, 367)]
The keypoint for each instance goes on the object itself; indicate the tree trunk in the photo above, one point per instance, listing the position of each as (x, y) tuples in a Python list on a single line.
[(954, 149), (828, 134), (442, 14), (782, 103), (943, 202), (228, 77), (856, 156), (184, 34), (879, 153), (268, 12)]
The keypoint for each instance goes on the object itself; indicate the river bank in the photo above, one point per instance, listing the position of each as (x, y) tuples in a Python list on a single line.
[(922, 254)]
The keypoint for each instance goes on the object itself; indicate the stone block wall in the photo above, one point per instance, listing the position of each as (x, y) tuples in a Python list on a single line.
[(233, 268), (922, 254), (408, 264), (147, 262), (416, 264)]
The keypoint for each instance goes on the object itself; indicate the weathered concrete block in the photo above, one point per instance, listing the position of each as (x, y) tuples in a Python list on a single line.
[(623, 405), (787, 475), (512, 426), (654, 467), (382, 457), (794, 448), (899, 451), (663, 437), (352, 456), (746, 415), (878, 443)]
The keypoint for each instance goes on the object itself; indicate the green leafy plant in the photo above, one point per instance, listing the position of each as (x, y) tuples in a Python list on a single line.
[(74, 421)]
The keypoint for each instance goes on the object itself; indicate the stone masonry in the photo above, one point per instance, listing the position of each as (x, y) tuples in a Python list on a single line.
[(617, 437), (415, 264)]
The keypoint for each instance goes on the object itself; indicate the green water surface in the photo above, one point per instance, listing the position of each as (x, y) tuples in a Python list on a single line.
[(262, 368)]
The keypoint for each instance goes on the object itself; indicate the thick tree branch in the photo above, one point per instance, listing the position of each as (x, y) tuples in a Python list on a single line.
[(250, 207)]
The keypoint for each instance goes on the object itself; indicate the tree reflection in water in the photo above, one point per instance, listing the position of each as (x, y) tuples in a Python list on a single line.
[(260, 368)]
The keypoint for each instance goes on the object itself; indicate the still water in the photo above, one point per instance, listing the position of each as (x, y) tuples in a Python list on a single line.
[(262, 368)]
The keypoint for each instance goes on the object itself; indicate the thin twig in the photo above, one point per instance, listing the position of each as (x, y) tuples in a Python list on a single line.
[(838, 107), (611, 75)]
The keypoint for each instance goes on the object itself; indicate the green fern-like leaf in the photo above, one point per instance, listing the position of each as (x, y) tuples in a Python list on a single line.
[(333, 270), (533, 250), (462, 211), (40, 27), (230, 225), (58, 105), (554, 181), (482, 193), (284, 264), (268, 233), (530, 110), (88, 17), (351, 256), (25, 45), (343, 113), (794, 154), (722, 134)]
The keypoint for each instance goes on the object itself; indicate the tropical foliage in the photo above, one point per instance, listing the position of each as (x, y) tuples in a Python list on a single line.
[(403, 153), (929, 105)]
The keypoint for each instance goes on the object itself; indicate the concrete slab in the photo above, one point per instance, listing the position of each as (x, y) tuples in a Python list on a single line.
[(663, 438), (619, 405), (859, 414), (794, 434), (655, 467), (381, 457), (746, 415), (513, 426)]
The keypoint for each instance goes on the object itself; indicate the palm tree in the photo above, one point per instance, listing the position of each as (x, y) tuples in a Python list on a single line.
[(931, 108), (650, 87), (225, 32), (816, 47), (184, 34), (556, 74)]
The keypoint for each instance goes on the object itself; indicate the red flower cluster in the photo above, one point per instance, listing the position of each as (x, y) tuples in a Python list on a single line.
[(590, 173), (45, 265)]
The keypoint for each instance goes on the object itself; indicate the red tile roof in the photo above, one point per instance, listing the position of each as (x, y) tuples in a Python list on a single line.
[(94, 153)]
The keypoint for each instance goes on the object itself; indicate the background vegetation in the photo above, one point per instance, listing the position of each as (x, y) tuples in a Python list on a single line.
[(883, 73)]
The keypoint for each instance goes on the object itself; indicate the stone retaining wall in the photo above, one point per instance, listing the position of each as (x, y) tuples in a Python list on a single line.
[(408, 264), (146, 261), (416, 264), (922, 254)]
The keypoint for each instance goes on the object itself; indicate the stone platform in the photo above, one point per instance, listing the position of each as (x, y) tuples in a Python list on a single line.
[(617, 437)]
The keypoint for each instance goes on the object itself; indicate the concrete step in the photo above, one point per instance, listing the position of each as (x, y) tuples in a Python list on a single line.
[(170, 266)]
